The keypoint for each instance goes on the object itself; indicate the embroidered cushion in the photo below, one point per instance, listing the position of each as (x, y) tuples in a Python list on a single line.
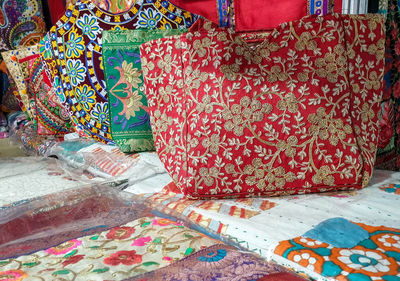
[(129, 117), (51, 117), (296, 113), (75, 45), (18, 71)]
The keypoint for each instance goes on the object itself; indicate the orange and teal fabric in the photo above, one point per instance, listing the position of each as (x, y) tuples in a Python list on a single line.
[(345, 250), (127, 103)]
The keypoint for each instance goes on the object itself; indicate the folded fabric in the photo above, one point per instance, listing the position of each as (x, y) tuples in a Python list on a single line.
[(51, 117), (295, 113), (72, 51), (142, 245), (216, 263), (129, 117)]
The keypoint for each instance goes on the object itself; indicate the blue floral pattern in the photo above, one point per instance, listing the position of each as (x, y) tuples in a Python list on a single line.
[(89, 25), (100, 112), (86, 96), (148, 19), (75, 45), (76, 71)]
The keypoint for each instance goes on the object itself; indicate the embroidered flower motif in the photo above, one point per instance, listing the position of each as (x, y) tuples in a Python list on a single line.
[(240, 115), (288, 102), (165, 63), (45, 48), (367, 113), (331, 66), (89, 26), (148, 19), (323, 176), (64, 248), (76, 71), (212, 143), (266, 178), (12, 275), (120, 233), (164, 222), (72, 260), (276, 74), (338, 131), (288, 146), (142, 241), (133, 105), (305, 42), (319, 123), (124, 257), (208, 175), (100, 112), (130, 74), (364, 261), (75, 45), (230, 71), (86, 96)]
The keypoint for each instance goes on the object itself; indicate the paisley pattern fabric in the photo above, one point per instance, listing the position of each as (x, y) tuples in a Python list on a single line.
[(296, 113), (51, 117), (129, 117), (373, 257), (216, 263), (137, 247), (73, 53), (21, 23)]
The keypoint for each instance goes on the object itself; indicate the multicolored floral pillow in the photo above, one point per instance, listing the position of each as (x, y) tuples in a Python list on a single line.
[(129, 117), (51, 117), (295, 113), (73, 54)]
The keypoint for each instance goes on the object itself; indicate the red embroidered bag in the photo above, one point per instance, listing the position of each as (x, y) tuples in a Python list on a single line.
[(296, 113)]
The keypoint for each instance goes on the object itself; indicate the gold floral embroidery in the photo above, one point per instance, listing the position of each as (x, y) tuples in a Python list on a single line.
[(284, 116)]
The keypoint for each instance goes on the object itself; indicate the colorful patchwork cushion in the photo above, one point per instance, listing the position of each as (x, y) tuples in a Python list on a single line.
[(73, 53), (129, 117), (296, 113), (51, 117)]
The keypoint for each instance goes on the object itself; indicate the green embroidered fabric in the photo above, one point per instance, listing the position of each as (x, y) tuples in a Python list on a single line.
[(129, 116)]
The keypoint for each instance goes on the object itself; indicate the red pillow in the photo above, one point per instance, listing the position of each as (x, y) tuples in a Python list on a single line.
[(295, 113)]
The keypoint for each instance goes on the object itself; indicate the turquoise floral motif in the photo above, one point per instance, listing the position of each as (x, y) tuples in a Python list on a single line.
[(75, 45), (76, 71), (89, 26), (100, 112), (58, 89), (148, 19), (45, 48), (86, 97)]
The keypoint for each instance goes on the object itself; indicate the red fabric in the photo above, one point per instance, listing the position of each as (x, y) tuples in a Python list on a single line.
[(57, 10), (204, 8), (296, 113), (266, 15)]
